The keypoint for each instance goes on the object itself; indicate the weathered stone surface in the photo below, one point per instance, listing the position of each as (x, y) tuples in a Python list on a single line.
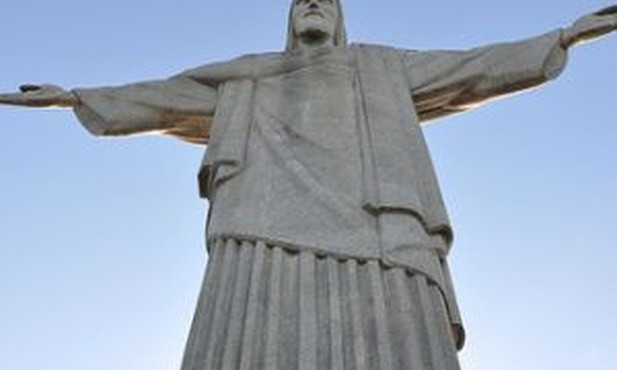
[(327, 230)]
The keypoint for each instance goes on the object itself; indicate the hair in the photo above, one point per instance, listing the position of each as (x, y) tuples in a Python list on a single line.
[(339, 37)]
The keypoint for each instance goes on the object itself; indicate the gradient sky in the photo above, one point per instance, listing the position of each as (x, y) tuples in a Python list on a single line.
[(101, 240)]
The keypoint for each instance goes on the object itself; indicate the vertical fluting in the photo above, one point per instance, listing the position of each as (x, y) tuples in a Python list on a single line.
[(409, 335), (267, 308), (221, 303), (274, 310), (250, 340), (235, 318), (308, 313), (380, 316), (430, 325), (359, 346), (336, 320)]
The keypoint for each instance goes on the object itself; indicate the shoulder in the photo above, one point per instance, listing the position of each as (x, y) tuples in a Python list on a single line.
[(385, 49), (244, 66), (368, 45)]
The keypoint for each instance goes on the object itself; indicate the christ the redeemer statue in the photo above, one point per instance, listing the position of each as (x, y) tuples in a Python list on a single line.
[(327, 232)]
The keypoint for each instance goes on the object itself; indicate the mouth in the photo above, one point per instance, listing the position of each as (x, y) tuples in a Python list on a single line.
[(311, 13)]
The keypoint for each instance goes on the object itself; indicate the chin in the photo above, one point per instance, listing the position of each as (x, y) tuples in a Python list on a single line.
[(314, 26)]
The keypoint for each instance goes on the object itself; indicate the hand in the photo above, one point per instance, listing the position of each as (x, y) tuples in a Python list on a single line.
[(40, 96), (590, 27)]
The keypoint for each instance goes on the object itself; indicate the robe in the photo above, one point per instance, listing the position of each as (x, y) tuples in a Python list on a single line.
[(323, 156)]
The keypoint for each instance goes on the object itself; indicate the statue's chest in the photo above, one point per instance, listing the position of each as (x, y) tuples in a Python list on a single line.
[(310, 114), (316, 96)]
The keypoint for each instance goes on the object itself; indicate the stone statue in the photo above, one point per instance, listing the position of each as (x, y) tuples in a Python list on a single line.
[(327, 232)]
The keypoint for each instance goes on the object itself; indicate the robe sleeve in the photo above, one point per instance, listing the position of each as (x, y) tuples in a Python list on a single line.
[(446, 82), (180, 106)]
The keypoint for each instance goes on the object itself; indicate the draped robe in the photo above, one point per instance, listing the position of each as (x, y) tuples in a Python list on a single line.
[(324, 153)]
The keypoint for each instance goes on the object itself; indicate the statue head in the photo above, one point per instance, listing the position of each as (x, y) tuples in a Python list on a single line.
[(316, 19)]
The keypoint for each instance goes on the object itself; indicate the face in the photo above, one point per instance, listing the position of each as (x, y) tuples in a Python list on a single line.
[(314, 17)]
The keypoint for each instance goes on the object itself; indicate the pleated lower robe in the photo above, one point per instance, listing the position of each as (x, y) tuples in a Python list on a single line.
[(265, 307)]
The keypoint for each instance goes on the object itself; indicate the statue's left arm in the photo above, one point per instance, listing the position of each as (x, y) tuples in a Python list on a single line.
[(446, 82)]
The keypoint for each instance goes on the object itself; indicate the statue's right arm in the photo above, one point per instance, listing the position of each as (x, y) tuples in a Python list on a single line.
[(179, 106)]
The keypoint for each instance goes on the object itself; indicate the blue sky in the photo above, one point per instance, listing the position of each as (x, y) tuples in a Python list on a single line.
[(101, 240)]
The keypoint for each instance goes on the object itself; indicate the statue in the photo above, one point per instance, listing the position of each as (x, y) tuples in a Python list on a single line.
[(327, 233)]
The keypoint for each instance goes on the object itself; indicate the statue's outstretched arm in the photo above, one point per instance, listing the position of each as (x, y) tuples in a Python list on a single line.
[(444, 82), (41, 96), (179, 106), (590, 27)]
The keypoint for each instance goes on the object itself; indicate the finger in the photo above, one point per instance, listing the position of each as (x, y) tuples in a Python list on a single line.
[(29, 88), (25, 100), (611, 10), (11, 99)]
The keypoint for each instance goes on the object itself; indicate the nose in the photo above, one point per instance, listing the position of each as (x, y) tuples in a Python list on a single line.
[(313, 4)]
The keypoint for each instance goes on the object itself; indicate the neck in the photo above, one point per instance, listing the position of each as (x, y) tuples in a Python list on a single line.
[(314, 40)]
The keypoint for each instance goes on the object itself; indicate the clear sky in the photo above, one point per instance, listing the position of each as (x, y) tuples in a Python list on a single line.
[(101, 240)]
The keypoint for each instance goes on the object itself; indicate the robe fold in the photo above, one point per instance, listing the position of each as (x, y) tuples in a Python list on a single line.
[(324, 154)]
